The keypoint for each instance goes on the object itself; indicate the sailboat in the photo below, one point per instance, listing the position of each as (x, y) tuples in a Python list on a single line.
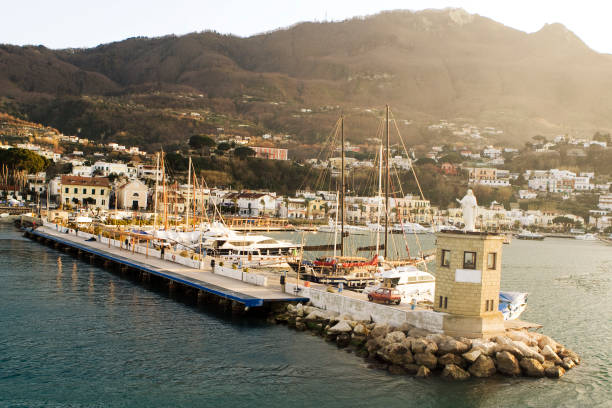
[(352, 271)]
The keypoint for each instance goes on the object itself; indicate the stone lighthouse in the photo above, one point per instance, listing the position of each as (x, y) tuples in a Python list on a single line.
[(468, 278)]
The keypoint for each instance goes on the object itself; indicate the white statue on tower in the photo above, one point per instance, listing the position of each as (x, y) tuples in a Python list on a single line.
[(468, 206)]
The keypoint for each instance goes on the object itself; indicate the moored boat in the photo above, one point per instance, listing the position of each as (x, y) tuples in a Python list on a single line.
[(530, 236), (512, 304), (587, 237)]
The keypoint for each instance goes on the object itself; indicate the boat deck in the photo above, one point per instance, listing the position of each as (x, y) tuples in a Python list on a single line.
[(201, 279)]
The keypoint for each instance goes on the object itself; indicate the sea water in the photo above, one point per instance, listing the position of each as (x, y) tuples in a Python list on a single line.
[(76, 335)]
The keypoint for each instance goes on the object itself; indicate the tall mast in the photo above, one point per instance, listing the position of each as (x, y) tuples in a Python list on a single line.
[(336, 225), (165, 193), (188, 192), (379, 198), (342, 188), (387, 181), (156, 185)]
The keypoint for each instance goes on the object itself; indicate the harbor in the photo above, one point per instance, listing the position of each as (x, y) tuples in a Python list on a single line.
[(466, 340), (200, 279)]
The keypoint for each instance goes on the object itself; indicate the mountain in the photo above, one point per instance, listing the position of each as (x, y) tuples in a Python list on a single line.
[(427, 65)]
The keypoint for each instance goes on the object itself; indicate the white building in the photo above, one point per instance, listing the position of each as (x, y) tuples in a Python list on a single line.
[(120, 169), (148, 172), (81, 170), (605, 202), (492, 152), (132, 195), (527, 195)]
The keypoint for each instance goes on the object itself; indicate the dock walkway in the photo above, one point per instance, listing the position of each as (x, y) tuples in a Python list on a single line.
[(201, 279)]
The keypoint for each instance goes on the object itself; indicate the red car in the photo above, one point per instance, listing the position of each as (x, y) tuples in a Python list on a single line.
[(385, 295)]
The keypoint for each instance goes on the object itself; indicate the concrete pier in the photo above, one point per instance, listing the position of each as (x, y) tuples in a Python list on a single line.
[(202, 280)]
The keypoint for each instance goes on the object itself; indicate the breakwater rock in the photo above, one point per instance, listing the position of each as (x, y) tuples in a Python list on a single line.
[(411, 350)]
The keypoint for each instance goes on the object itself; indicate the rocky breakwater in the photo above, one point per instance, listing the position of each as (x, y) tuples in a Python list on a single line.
[(410, 350)]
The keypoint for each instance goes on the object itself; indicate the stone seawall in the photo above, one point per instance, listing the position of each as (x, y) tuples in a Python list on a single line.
[(369, 311), (406, 349)]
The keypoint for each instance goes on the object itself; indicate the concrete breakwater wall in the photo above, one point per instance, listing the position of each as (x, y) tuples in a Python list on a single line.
[(240, 274), (368, 311), (406, 349)]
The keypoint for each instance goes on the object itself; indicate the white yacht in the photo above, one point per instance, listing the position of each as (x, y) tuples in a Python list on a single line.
[(410, 281), (587, 237), (410, 228), (530, 236), (331, 227), (218, 240)]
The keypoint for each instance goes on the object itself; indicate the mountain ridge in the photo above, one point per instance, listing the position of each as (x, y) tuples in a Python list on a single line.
[(427, 64)]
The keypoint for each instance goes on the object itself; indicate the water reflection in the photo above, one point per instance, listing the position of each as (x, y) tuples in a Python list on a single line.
[(111, 292), (75, 276), (90, 286), (58, 276)]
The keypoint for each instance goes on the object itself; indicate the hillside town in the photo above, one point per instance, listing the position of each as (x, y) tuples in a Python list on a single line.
[(104, 178)]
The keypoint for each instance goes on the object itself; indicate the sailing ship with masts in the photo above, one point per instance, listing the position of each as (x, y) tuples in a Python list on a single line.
[(356, 272)]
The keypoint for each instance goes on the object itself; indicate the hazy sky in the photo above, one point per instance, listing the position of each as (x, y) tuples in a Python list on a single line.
[(87, 23)]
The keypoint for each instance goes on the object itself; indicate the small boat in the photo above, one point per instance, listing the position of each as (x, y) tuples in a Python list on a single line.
[(4, 215), (412, 283), (587, 237), (512, 304), (410, 228), (530, 236), (350, 229)]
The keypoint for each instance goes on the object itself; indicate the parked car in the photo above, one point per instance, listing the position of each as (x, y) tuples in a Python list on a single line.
[(385, 295)]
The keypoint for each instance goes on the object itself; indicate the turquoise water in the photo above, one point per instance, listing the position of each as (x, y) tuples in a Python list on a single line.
[(75, 335)]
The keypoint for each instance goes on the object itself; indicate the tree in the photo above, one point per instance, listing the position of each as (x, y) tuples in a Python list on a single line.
[(242, 152), (602, 137), (539, 139), (22, 159), (566, 222), (452, 157), (201, 142), (223, 147), (424, 160)]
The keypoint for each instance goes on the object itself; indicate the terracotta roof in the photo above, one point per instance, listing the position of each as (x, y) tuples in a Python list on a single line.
[(85, 181)]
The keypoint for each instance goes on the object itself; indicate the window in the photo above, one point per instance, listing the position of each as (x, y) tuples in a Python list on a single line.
[(103, 202), (93, 191), (491, 260), (66, 190), (440, 305), (445, 302), (445, 261), (492, 304), (102, 192), (76, 190), (469, 260), (84, 191), (486, 306)]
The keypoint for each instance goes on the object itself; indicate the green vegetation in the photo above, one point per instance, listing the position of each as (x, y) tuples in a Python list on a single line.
[(200, 142), (242, 152), (22, 159), (247, 172)]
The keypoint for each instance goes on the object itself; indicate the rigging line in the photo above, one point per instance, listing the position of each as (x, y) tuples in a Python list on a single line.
[(407, 155), (329, 146), (416, 237), (412, 166), (332, 132)]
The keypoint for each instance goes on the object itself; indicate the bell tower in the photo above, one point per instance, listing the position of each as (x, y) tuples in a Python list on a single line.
[(468, 276)]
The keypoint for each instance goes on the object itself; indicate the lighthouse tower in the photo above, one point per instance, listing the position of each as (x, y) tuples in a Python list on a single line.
[(468, 277)]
